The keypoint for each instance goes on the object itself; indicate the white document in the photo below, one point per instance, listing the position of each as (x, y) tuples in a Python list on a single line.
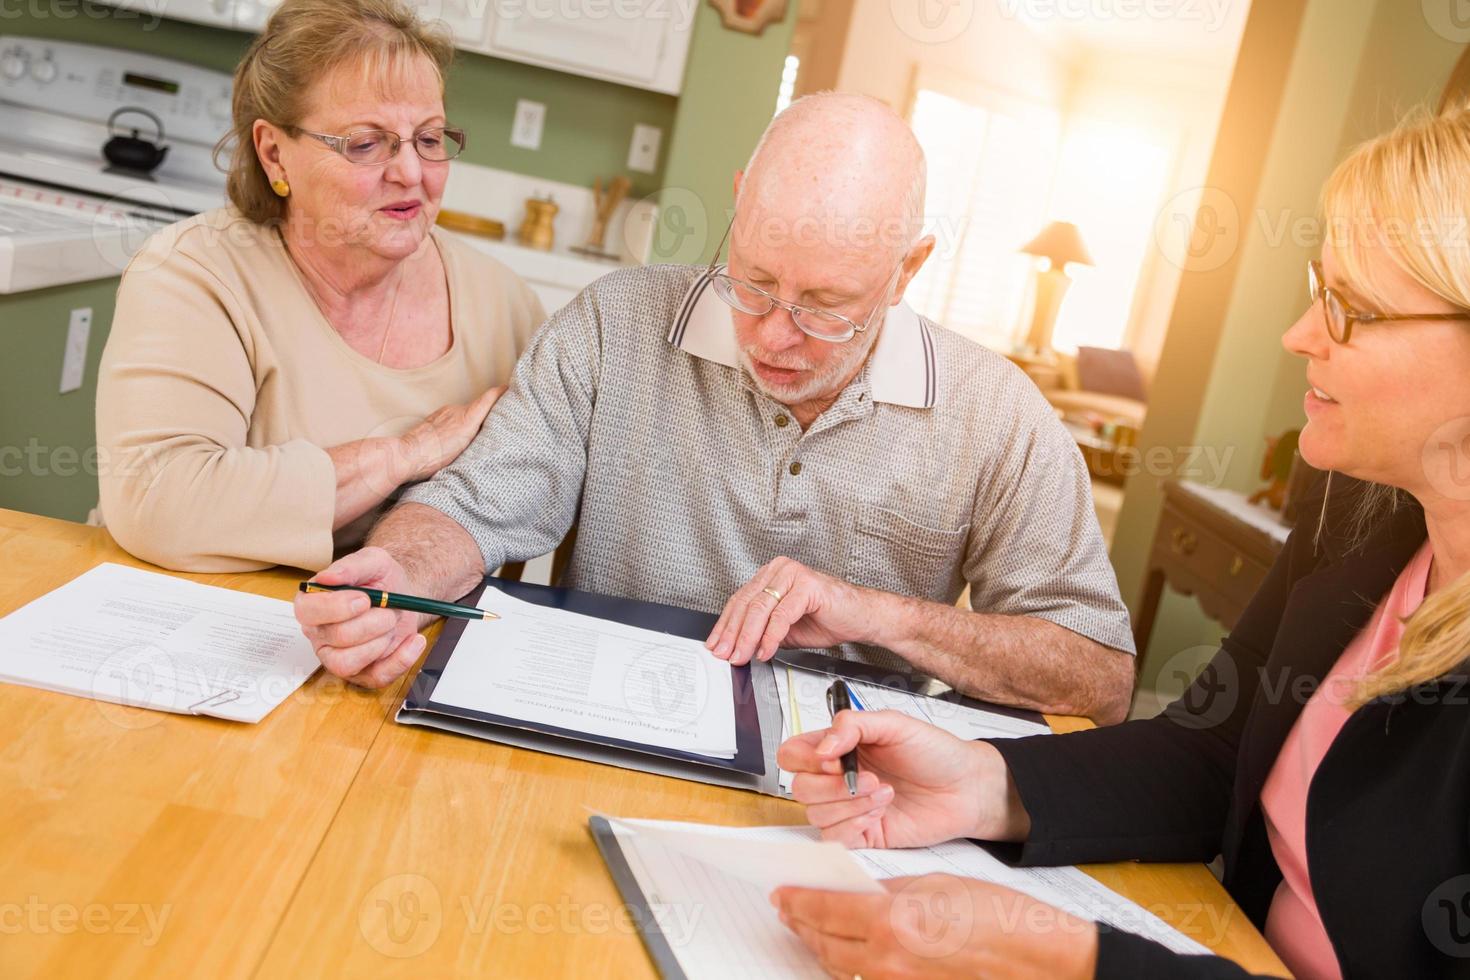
[(709, 893), (1067, 888), (149, 640), (711, 898), (803, 695), (584, 674)]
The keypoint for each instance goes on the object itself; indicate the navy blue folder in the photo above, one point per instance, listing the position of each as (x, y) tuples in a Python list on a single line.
[(746, 770)]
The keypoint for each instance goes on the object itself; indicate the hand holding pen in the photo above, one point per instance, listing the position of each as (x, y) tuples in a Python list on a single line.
[(917, 784), (354, 635), (841, 698)]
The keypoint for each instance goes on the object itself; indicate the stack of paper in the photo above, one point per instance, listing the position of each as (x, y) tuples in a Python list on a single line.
[(803, 695), (708, 888), (139, 638), (579, 673)]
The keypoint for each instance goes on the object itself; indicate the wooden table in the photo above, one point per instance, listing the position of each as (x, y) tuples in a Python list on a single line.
[(328, 841)]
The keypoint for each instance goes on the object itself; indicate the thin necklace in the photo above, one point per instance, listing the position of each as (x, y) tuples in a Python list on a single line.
[(392, 310)]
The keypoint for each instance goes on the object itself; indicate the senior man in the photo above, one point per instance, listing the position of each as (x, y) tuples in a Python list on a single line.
[(783, 440)]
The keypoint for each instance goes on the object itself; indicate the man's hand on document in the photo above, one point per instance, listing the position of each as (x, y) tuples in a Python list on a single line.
[(788, 604), (364, 645)]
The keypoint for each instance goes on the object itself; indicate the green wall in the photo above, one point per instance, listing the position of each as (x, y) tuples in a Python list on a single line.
[(45, 437), (709, 130), (729, 97), (1358, 65)]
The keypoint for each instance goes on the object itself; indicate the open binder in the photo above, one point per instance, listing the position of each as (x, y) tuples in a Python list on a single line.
[(757, 702)]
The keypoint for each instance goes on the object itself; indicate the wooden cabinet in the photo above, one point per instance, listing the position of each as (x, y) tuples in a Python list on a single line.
[(1210, 544)]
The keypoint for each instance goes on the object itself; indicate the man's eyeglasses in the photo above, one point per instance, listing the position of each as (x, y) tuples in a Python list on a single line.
[(1340, 316), (821, 324), (371, 147)]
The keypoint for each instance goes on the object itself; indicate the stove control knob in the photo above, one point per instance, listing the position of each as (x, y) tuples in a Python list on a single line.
[(13, 63), (44, 71)]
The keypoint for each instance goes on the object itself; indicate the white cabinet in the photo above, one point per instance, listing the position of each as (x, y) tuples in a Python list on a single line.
[(251, 15), (217, 13), (635, 42), (643, 43), (469, 20)]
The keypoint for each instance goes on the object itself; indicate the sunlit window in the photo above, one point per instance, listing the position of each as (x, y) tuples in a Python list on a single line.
[(990, 173), (788, 82), (1109, 182)]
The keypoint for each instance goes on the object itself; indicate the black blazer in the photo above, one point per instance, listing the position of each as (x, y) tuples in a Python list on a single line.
[(1388, 811)]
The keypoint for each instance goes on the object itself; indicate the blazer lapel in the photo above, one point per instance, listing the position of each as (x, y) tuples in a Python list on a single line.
[(1325, 610)]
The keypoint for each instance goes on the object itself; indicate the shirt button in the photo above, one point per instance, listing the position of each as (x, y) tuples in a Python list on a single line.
[(781, 421), (795, 469)]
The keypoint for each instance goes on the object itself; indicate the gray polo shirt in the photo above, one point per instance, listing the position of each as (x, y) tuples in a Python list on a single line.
[(939, 465)]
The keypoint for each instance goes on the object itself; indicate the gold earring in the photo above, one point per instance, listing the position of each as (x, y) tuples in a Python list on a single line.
[(281, 188)]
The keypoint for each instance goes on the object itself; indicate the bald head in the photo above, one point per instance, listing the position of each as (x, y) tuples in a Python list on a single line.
[(828, 217), (842, 163)]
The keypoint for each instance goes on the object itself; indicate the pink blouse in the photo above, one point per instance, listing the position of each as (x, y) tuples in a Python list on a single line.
[(1293, 926)]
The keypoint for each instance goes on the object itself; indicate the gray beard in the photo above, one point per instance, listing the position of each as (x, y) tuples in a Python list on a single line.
[(824, 383)]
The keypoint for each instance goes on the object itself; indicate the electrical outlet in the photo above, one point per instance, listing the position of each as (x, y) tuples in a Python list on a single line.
[(74, 360), (525, 132), (643, 153)]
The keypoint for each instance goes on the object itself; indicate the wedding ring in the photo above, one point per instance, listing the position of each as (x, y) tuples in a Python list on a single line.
[(773, 593)]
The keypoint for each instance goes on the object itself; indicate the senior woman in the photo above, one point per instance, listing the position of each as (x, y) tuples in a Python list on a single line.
[(278, 368), (1325, 750)]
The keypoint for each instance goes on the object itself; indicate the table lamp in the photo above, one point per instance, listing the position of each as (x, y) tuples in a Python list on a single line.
[(1059, 243)]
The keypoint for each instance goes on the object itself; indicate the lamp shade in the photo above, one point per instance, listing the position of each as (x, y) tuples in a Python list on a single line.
[(1060, 242)]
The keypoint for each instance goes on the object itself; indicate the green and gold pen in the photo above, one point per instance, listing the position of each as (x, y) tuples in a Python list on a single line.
[(411, 603)]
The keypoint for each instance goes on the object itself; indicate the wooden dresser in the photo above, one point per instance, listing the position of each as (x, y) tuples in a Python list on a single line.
[(1210, 544)]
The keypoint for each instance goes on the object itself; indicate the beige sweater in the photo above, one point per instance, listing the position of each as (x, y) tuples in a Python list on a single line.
[(222, 386)]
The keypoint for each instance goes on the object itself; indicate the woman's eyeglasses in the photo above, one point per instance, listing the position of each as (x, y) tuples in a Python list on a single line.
[(1340, 316), (371, 147)]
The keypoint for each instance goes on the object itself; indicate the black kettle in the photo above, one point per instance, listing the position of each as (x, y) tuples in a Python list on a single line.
[(132, 153)]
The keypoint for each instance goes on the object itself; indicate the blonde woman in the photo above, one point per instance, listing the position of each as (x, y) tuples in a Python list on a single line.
[(1325, 750), (279, 368)]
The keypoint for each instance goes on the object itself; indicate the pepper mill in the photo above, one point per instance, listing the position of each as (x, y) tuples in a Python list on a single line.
[(536, 229)]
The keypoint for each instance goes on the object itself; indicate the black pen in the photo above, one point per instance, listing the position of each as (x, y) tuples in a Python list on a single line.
[(840, 699), (412, 603)]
